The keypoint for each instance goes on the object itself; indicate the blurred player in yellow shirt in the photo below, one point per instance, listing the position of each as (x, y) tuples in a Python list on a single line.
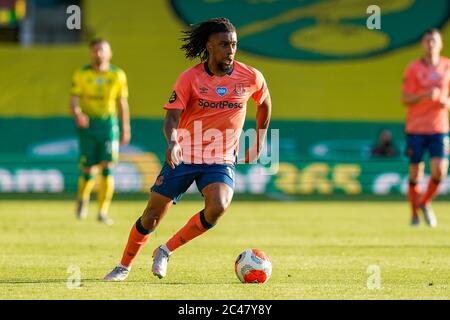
[(99, 97)]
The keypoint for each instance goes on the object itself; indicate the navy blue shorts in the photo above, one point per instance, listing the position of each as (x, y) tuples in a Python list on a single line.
[(436, 144), (173, 183)]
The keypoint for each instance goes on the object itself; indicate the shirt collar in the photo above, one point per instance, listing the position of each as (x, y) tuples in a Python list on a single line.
[(424, 62), (209, 72)]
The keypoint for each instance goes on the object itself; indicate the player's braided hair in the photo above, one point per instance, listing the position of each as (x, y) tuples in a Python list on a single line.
[(196, 37)]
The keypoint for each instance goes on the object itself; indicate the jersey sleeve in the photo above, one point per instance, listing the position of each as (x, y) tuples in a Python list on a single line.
[(123, 85), (409, 80), (76, 84), (181, 93), (261, 89)]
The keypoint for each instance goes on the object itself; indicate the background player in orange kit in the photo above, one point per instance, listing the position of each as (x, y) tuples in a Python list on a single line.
[(204, 119), (426, 94)]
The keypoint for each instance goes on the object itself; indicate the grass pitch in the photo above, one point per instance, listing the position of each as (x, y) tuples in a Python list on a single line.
[(318, 251)]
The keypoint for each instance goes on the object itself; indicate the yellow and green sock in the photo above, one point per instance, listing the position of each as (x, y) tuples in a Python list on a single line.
[(85, 186), (105, 191)]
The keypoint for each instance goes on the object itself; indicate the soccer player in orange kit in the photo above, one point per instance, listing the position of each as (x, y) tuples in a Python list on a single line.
[(204, 119), (425, 92)]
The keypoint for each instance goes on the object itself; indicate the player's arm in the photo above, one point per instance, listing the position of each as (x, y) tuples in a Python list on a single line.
[(173, 154), (435, 94), (412, 94), (81, 120), (445, 101), (178, 102), (409, 99), (263, 115), (413, 98), (125, 135)]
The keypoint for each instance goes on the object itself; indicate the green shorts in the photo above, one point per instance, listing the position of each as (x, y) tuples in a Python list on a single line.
[(99, 142)]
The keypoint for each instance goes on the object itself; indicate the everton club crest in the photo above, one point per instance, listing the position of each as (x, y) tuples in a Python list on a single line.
[(239, 89)]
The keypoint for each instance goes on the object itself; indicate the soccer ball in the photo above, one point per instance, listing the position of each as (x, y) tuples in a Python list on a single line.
[(253, 266)]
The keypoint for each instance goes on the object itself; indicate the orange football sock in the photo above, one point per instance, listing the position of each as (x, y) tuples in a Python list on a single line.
[(432, 191), (196, 226), (137, 239), (413, 195)]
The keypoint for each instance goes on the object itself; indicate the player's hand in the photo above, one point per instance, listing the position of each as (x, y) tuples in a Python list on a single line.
[(435, 94), (445, 102), (174, 154), (125, 137), (82, 121)]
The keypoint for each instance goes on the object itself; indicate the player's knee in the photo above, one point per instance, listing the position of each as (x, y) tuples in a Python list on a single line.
[(150, 220), (107, 168), (151, 217), (221, 207), (437, 178), (107, 171), (87, 176), (217, 209), (438, 175), (88, 171)]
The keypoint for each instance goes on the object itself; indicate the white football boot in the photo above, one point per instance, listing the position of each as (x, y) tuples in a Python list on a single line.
[(82, 209), (160, 260), (119, 273), (429, 215)]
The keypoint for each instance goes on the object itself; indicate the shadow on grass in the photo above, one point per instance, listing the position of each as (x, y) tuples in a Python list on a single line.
[(42, 281), (64, 281)]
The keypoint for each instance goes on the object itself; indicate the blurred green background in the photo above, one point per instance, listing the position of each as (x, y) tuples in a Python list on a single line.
[(35, 81), (334, 83)]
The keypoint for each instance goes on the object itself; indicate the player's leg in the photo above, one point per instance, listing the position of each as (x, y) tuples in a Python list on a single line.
[(108, 150), (217, 199), (415, 150), (86, 179), (414, 191), (439, 168), (157, 207), (105, 192), (216, 184), (439, 150), (85, 185), (168, 188)]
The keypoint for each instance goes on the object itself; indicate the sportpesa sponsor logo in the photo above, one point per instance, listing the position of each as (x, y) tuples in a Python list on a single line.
[(220, 104)]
